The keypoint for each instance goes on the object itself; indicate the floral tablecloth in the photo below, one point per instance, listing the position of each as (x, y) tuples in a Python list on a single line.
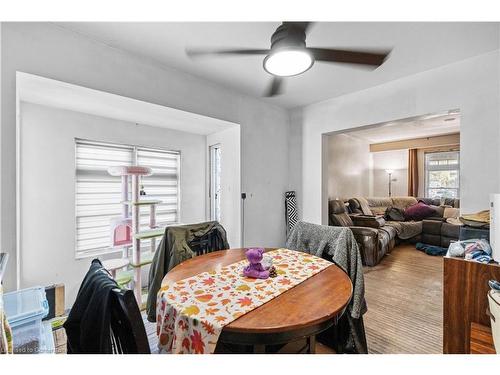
[(192, 312)]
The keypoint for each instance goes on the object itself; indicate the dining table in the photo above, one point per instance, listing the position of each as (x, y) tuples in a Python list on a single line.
[(300, 313)]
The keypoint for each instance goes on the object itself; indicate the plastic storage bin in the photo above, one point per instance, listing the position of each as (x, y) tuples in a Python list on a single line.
[(25, 310)]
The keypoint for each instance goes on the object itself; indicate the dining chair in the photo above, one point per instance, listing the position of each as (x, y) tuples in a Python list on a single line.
[(204, 244), (105, 319)]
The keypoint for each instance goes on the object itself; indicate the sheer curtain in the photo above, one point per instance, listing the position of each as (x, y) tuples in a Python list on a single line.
[(413, 172)]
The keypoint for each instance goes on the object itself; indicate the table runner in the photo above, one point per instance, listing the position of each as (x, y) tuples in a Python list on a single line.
[(192, 312)]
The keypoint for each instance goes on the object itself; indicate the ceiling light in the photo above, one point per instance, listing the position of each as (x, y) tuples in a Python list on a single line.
[(288, 62)]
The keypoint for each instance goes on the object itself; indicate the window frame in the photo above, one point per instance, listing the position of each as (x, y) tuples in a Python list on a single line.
[(453, 167), (133, 148), (215, 215)]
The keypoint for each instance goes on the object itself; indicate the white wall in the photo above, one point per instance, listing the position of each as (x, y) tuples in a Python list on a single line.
[(355, 171), (48, 185), (397, 160), (349, 167), (229, 141), (49, 51), (471, 85)]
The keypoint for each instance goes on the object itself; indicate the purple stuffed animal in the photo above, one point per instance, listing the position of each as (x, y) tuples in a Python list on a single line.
[(255, 269)]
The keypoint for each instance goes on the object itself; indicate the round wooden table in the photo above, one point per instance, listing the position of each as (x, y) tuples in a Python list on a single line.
[(301, 312)]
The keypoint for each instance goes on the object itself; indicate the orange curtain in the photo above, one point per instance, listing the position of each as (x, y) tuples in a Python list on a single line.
[(412, 172)]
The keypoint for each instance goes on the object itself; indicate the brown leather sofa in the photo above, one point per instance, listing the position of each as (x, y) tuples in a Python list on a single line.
[(373, 238), (435, 230)]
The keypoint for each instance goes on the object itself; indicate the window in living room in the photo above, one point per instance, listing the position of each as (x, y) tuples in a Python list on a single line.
[(442, 174), (98, 194)]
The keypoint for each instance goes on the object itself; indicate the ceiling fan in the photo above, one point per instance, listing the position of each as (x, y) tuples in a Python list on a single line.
[(289, 56)]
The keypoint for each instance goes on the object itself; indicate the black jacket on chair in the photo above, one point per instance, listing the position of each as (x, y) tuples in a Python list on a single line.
[(104, 318)]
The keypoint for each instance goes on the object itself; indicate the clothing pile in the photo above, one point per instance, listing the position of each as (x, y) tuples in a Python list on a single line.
[(480, 219), (431, 249), (473, 249)]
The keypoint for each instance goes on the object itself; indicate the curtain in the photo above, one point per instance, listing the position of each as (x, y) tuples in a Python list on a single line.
[(413, 172)]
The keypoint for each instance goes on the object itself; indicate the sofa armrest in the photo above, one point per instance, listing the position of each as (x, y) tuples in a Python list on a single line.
[(368, 243), (368, 221), (364, 231)]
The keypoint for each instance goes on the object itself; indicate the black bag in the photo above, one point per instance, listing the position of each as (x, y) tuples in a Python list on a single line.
[(394, 214)]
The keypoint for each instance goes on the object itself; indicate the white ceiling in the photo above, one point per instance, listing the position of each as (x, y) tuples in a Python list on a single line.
[(427, 126), (416, 47), (52, 93)]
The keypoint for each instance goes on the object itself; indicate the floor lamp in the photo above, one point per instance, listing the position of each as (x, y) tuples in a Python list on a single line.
[(390, 172)]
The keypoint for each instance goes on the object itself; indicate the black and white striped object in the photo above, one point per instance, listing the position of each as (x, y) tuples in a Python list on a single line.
[(291, 213)]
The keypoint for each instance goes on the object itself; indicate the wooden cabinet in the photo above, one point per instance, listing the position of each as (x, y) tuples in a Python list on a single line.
[(465, 288)]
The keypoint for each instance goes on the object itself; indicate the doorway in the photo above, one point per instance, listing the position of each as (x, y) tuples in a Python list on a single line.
[(215, 182)]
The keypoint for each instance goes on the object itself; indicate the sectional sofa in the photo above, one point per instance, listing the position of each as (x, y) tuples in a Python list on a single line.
[(376, 236)]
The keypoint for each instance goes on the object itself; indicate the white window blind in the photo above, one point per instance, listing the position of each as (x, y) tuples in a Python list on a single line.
[(98, 195)]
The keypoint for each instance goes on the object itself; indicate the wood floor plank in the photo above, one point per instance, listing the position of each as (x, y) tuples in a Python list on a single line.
[(404, 296)]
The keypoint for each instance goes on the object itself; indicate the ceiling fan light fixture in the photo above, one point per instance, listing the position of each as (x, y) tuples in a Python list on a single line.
[(288, 62)]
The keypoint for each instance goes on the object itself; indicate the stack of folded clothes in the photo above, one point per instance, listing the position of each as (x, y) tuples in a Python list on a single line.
[(474, 249)]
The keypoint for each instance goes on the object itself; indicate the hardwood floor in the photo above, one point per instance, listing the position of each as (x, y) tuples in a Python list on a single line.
[(404, 297), (405, 309)]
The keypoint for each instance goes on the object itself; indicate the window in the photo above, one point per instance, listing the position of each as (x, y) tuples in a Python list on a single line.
[(98, 195), (442, 174)]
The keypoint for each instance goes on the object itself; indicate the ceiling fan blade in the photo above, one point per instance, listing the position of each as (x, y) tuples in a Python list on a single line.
[(350, 56), (275, 88), (225, 52)]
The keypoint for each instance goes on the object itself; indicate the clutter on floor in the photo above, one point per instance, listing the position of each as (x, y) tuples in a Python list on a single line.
[(431, 249)]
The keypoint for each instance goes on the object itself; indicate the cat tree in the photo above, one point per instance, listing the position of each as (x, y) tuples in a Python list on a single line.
[(125, 230)]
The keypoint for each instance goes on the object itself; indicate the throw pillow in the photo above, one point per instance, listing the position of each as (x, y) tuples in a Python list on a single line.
[(419, 211)]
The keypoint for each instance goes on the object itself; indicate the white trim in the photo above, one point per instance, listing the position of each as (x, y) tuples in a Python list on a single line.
[(18, 185)]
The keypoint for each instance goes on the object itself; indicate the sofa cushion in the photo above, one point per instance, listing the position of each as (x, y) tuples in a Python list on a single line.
[(354, 206), (450, 231), (450, 212), (337, 214), (378, 206), (341, 220), (403, 202), (390, 230), (418, 211), (430, 201), (453, 202), (438, 210), (432, 227), (364, 206)]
